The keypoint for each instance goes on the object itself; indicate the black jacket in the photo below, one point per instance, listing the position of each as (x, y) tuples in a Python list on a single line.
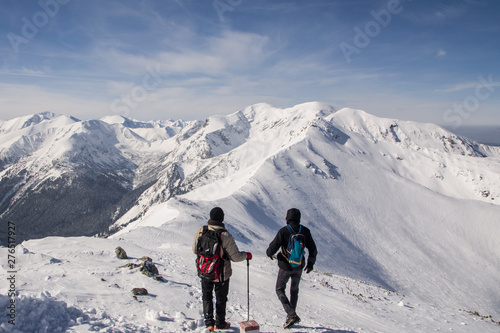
[(280, 242)]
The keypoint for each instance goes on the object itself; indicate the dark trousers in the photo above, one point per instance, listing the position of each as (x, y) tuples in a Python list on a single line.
[(283, 276), (221, 291)]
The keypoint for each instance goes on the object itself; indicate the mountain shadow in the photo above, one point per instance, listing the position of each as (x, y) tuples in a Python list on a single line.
[(67, 206)]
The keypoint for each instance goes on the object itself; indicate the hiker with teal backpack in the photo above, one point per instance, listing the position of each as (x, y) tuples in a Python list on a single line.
[(215, 249), (292, 239)]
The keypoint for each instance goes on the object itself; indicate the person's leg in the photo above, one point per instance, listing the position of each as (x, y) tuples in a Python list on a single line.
[(221, 292), (283, 277), (294, 288), (208, 305)]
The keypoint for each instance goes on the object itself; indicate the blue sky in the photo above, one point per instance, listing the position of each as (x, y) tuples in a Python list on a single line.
[(422, 60)]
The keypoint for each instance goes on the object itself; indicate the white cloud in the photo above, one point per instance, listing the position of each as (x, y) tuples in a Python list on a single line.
[(470, 86), (459, 87), (208, 55), (441, 53)]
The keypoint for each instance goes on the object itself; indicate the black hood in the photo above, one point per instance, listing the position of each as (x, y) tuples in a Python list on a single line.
[(293, 215)]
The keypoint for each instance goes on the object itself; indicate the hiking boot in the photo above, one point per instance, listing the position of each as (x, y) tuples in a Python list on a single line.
[(210, 328), (223, 326), (291, 320)]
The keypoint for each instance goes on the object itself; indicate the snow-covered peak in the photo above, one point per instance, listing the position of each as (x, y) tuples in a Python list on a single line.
[(29, 120), (407, 133), (156, 132), (20, 137), (37, 118), (127, 122), (263, 112), (35, 122), (383, 129), (249, 135), (319, 108)]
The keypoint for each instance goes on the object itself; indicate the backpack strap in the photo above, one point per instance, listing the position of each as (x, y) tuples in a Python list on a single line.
[(293, 231), (219, 234), (223, 256)]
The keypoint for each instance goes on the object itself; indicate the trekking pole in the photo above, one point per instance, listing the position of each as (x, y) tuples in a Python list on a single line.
[(248, 289), (249, 326)]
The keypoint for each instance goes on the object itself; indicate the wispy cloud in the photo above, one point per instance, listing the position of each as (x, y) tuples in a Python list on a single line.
[(29, 73), (434, 14), (458, 87), (469, 86), (207, 55), (441, 53)]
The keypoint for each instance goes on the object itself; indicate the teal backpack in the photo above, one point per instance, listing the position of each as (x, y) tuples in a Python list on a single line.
[(294, 252)]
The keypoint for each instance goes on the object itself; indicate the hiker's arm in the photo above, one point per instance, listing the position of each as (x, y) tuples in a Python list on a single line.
[(231, 249), (275, 245), (312, 250), (195, 241)]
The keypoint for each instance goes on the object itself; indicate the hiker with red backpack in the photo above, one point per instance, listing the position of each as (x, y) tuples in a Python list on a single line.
[(215, 249), (292, 239)]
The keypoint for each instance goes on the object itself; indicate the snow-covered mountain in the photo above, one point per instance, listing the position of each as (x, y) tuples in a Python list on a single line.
[(63, 176), (406, 206)]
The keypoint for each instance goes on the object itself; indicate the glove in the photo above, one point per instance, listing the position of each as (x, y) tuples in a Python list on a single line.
[(308, 268), (271, 257), (249, 256)]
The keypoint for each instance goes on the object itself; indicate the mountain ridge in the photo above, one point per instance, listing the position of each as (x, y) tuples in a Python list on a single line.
[(407, 206), (178, 156)]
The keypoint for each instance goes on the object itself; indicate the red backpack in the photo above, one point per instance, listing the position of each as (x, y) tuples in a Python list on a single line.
[(209, 263)]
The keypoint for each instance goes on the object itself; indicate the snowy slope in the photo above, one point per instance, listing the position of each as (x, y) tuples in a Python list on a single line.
[(225, 147), (406, 206), (77, 285)]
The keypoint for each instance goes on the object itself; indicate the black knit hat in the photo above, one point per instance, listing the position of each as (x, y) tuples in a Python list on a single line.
[(217, 214), (293, 214)]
